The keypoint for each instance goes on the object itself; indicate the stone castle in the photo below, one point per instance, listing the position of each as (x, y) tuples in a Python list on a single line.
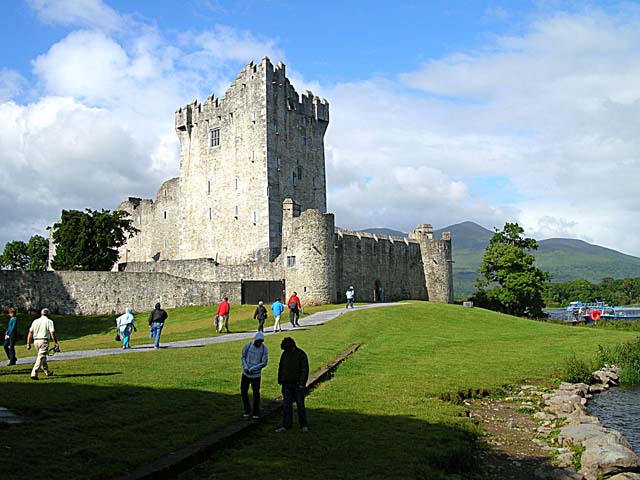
[(249, 208)]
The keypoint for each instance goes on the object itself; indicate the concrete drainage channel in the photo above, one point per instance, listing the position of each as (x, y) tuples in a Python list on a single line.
[(173, 463)]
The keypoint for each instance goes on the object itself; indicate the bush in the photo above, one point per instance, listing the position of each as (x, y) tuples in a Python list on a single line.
[(627, 357), (578, 370)]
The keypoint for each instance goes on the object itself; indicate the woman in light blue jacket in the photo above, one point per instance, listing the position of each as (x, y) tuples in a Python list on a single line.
[(125, 326)]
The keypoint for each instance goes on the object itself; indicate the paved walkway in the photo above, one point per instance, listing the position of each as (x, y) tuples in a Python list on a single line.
[(306, 321)]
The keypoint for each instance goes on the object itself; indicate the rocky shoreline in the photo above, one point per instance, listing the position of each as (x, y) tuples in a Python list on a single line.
[(575, 443)]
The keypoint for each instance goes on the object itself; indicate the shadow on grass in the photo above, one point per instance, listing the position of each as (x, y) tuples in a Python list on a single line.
[(106, 431)]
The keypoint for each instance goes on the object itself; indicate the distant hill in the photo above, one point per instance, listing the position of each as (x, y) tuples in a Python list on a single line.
[(385, 231), (564, 258)]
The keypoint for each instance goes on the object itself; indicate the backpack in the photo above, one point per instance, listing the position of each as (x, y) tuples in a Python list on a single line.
[(293, 306)]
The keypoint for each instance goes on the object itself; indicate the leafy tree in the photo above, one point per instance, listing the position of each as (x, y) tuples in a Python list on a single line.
[(90, 240), (15, 255), (38, 251), (517, 283)]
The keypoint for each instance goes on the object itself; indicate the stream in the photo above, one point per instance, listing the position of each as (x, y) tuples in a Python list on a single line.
[(619, 408)]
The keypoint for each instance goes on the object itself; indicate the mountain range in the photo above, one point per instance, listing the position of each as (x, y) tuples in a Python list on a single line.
[(564, 258)]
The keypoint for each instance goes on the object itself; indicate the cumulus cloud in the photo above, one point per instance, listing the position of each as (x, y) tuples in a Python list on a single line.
[(78, 13), (11, 84), (552, 110)]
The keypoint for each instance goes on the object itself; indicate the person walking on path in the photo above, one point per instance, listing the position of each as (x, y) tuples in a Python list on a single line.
[(261, 315), (294, 309), (223, 315), (125, 326), (157, 317), (255, 357), (293, 373), (40, 332), (351, 297), (10, 337), (277, 308)]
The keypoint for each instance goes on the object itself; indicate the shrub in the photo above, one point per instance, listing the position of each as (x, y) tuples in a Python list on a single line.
[(627, 357), (578, 370)]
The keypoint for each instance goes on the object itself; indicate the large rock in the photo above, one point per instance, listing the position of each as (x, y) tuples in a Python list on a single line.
[(608, 458), (626, 476)]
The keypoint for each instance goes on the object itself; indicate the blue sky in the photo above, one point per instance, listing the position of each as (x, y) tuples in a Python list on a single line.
[(441, 112)]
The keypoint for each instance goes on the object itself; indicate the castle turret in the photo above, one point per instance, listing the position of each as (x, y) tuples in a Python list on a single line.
[(437, 263), (308, 253)]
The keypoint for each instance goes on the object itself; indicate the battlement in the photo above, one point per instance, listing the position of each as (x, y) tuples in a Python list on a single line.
[(377, 237), (253, 77)]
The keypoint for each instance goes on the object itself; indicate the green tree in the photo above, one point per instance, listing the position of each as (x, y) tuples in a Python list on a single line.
[(15, 255), (90, 240), (517, 283), (38, 251)]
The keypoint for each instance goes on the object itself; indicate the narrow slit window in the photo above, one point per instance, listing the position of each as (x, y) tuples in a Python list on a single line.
[(165, 214), (236, 211), (210, 214), (291, 261)]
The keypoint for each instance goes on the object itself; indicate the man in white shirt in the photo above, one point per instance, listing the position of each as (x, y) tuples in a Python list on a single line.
[(40, 332)]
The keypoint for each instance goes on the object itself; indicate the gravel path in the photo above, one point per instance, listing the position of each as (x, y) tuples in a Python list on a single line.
[(308, 321)]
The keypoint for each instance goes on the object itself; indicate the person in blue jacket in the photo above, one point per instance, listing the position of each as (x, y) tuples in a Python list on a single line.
[(277, 308), (10, 337)]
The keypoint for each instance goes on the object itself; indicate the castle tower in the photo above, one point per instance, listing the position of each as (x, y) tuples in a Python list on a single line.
[(308, 253), (241, 156), (437, 263)]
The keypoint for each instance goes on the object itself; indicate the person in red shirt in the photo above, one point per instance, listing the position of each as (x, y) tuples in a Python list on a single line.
[(223, 315), (294, 309)]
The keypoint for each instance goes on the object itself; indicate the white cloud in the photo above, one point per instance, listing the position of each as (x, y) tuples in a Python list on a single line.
[(553, 110), (11, 84), (78, 13)]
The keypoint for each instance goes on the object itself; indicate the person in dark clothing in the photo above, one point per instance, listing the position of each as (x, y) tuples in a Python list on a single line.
[(261, 315), (156, 322), (293, 373), (10, 337)]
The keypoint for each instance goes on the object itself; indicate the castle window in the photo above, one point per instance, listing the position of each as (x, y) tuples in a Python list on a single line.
[(210, 214), (291, 261), (276, 128), (139, 241), (236, 183), (253, 155), (165, 243), (165, 193), (304, 140), (299, 172), (255, 218), (214, 137), (278, 163), (302, 120), (236, 212), (165, 214), (268, 191), (208, 186), (231, 116), (313, 182), (253, 116), (293, 178)]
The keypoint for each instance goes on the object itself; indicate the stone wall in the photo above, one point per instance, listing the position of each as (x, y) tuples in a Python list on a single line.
[(437, 262), (367, 261), (91, 293), (208, 270)]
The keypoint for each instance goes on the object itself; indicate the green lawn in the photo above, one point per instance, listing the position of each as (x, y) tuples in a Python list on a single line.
[(379, 417)]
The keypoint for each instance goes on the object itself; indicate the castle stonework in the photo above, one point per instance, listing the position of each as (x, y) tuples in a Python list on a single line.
[(249, 208), (241, 156), (246, 219)]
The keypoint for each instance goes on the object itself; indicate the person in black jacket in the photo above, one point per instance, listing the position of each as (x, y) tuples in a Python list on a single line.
[(293, 373), (156, 323), (261, 315)]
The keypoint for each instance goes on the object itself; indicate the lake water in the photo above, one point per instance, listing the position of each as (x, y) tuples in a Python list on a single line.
[(619, 408)]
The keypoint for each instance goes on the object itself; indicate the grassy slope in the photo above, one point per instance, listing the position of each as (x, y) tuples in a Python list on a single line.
[(381, 408)]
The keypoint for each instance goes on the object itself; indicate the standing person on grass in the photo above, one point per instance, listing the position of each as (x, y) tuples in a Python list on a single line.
[(40, 332), (277, 308), (10, 337), (125, 326), (223, 315), (293, 373), (157, 317), (351, 297), (261, 315), (294, 309), (255, 357)]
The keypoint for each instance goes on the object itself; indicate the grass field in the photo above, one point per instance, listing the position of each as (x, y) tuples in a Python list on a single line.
[(379, 417)]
